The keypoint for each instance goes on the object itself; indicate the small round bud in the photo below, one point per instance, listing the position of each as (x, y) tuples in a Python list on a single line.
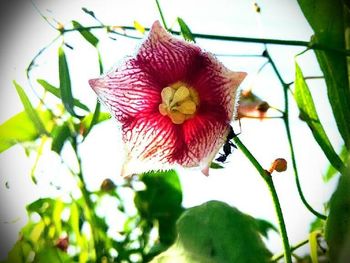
[(62, 243), (278, 165), (107, 185), (263, 106), (257, 8), (60, 27)]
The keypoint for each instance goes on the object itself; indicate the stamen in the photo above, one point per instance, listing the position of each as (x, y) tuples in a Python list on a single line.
[(167, 94), (179, 102), (186, 107), (181, 94)]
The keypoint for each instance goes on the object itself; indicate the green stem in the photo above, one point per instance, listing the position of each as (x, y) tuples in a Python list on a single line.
[(289, 137), (161, 15), (88, 202), (268, 179), (292, 248), (307, 44)]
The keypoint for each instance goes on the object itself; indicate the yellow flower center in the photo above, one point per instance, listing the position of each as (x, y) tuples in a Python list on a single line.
[(179, 102)]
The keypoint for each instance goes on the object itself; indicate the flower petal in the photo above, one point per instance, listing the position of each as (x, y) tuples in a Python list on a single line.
[(128, 92), (149, 143), (166, 57), (216, 85), (155, 143)]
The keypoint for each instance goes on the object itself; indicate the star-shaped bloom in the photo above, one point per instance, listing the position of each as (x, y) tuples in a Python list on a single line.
[(174, 102)]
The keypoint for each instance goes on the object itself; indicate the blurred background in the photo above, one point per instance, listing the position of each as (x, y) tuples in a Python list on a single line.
[(24, 32)]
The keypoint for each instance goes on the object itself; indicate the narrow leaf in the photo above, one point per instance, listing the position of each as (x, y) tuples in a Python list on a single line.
[(59, 136), (307, 108), (94, 119), (65, 83), (313, 246), (331, 171), (89, 12), (89, 37), (32, 114), (215, 165), (57, 93), (20, 128), (330, 20), (185, 30), (139, 27)]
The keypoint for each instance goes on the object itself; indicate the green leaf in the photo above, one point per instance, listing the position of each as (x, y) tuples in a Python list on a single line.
[(329, 20), (59, 136), (57, 93), (331, 171), (265, 226), (89, 37), (140, 28), (52, 255), (41, 206), (32, 113), (313, 246), (92, 118), (307, 108), (57, 216), (338, 222), (89, 12), (74, 222), (65, 83), (162, 195), (317, 224), (215, 165), (215, 232), (20, 128), (162, 201), (19, 252), (185, 30)]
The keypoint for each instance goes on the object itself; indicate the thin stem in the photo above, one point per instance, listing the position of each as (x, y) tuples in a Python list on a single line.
[(262, 117), (268, 179), (88, 202), (161, 15), (270, 41), (308, 78), (289, 137), (292, 248)]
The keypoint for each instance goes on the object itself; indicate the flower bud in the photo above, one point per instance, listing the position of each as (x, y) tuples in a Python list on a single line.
[(278, 165), (62, 243), (107, 185)]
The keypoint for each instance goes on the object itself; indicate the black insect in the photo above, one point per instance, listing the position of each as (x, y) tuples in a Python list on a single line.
[(227, 148)]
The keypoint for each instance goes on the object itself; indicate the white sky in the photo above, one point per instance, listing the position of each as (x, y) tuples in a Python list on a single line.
[(238, 184)]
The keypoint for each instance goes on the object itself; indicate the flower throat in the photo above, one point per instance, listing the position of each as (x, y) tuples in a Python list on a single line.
[(179, 102)]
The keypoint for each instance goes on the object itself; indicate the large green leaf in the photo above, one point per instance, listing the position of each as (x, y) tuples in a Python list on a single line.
[(65, 83), (161, 200), (91, 38), (213, 233), (329, 20), (57, 93), (307, 108), (162, 195), (338, 222), (32, 114), (20, 128)]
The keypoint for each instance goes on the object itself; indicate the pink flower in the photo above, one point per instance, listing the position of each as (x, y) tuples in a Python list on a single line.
[(174, 102)]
